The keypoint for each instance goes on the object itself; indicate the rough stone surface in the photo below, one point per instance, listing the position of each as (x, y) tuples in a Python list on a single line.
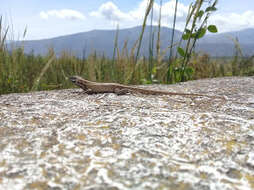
[(69, 140)]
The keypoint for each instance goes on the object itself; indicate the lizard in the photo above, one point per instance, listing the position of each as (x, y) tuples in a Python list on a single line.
[(95, 87)]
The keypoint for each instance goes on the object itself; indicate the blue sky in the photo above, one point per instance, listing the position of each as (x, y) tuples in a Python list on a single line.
[(50, 18)]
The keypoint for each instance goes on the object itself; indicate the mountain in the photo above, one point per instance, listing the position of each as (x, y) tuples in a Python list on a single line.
[(223, 45), (85, 43)]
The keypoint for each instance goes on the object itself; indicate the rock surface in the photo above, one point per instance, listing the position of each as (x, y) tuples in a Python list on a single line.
[(68, 140)]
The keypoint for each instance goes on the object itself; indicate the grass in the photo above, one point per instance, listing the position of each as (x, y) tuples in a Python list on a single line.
[(20, 72)]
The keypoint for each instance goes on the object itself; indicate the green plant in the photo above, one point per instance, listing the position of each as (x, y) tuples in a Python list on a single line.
[(197, 30)]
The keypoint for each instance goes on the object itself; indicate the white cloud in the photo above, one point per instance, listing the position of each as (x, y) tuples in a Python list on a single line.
[(233, 21), (111, 12), (62, 14), (225, 22), (167, 10)]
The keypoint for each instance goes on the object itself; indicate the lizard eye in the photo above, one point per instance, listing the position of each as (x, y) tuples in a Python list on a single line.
[(73, 79)]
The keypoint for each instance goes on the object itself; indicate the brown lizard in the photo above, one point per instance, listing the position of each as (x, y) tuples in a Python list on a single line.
[(95, 87)]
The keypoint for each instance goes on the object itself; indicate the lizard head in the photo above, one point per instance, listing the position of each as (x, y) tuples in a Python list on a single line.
[(77, 80)]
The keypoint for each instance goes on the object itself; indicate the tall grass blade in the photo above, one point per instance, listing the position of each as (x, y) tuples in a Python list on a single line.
[(158, 43), (37, 81), (116, 42), (150, 5), (173, 31), (172, 41), (24, 33), (114, 52)]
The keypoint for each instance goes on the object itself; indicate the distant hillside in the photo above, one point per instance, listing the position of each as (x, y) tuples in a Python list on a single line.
[(103, 42)]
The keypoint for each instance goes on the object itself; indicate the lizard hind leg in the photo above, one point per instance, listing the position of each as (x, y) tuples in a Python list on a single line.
[(119, 91)]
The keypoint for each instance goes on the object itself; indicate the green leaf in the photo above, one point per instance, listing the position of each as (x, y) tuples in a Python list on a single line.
[(193, 35), (200, 13), (181, 51), (210, 9), (154, 70), (187, 31), (212, 28), (186, 36), (201, 32)]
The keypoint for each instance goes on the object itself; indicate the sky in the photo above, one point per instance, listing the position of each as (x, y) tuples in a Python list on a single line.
[(51, 18)]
